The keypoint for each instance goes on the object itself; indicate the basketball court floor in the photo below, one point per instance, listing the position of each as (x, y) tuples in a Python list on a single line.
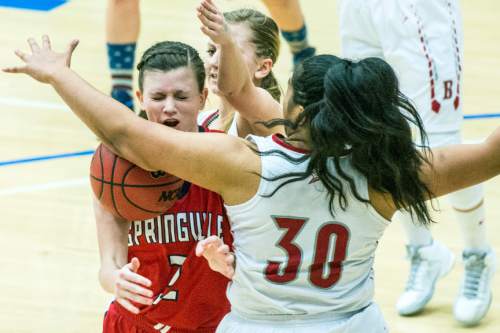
[(49, 259)]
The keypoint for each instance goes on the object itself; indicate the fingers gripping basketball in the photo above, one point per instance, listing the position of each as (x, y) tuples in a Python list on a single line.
[(128, 191)]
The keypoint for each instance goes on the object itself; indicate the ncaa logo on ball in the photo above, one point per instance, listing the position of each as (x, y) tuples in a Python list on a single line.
[(158, 174)]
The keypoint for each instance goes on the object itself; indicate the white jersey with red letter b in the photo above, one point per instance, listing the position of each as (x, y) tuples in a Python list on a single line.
[(422, 40)]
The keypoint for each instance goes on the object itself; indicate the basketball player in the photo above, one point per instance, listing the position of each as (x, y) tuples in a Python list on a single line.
[(423, 42), (122, 33), (123, 279), (149, 266), (336, 175), (244, 45)]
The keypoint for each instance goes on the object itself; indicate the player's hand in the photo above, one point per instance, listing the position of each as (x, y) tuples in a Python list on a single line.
[(213, 23), (43, 63), (129, 286), (219, 258)]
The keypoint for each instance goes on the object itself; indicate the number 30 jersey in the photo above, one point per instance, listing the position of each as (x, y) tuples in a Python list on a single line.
[(292, 256)]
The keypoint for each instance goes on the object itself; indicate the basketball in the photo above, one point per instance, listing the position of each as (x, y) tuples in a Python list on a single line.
[(128, 191)]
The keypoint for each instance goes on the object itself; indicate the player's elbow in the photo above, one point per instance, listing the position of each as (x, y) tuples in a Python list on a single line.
[(238, 89), (229, 91)]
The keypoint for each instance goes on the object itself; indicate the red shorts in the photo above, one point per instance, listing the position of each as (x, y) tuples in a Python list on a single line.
[(119, 320)]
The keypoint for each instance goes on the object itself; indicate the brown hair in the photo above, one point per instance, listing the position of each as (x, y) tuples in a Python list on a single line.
[(265, 38), (167, 55)]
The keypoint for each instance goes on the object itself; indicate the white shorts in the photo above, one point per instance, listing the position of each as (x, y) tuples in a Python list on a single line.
[(422, 40), (369, 320)]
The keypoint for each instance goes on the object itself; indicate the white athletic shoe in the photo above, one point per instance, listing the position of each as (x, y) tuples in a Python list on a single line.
[(427, 265), (474, 298)]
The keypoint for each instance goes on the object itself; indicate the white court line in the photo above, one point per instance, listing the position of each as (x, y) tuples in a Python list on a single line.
[(43, 187), (9, 101)]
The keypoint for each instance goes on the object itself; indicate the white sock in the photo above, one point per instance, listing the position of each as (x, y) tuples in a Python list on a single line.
[(417, 235), (470, 213)]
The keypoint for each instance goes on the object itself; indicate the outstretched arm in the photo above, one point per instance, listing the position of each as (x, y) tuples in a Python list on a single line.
[(234, 80), (451, 169), (460, 166), (116, 275), (218, 162)]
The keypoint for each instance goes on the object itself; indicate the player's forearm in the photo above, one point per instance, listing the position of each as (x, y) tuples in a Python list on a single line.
[(111, 121), (112, 238), (233, 72), (493, 144), (235, 83), (460, 166), (102, 115)]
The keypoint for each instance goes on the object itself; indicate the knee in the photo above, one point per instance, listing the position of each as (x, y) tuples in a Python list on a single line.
[(276, 3), (467, 198), (123, 3)]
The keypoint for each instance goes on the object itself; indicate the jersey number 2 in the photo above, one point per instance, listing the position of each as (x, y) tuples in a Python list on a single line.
[(322, 245), (172, 295)]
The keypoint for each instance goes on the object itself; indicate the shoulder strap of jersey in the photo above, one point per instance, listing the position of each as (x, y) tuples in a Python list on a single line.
[(210, 119)]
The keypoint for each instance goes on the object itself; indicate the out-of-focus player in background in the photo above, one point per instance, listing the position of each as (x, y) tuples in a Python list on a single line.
[(123, 22), (290, 18), (423, 42)]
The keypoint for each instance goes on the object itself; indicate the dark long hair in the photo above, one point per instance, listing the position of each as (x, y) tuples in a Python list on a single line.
[(355, 110)]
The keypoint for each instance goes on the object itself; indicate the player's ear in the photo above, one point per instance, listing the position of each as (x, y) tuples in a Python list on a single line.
[(265, 67), (140, 97), (203, 98)]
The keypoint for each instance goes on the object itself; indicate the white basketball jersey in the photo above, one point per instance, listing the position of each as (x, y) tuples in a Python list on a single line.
[(292, 256), (422, 40)]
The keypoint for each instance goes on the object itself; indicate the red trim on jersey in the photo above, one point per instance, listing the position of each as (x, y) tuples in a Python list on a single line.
[(204, 129), (279, 139), (210, 119)]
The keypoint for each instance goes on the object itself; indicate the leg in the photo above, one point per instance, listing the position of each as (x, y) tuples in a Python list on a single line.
[(427, 55), (475, 294), (288, 15), (429, 261), (122, 32), (424, 46), (358, 36)]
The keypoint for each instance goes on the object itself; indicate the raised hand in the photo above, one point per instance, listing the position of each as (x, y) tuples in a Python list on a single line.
[(43, 63), (213, 23), (219, 258), (129, 287)]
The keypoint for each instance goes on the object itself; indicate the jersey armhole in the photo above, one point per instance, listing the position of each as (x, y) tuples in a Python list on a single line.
[(254, 200), (361, 184)]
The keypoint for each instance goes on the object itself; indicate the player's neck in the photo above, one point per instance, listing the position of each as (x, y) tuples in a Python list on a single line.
[(226, 115), (225, 109), (299, 138)]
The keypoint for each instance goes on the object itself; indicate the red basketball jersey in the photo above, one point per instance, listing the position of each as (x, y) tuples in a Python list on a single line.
[(189, 296)]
